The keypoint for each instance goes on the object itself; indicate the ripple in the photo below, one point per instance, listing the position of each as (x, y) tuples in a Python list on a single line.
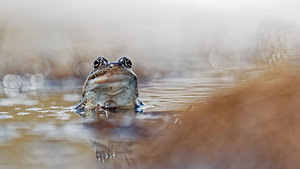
[(5, 116), (34, 109), (64, 116), (23, 113), (17, 101)]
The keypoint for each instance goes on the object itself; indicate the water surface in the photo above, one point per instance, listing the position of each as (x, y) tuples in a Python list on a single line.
[(39, 128)]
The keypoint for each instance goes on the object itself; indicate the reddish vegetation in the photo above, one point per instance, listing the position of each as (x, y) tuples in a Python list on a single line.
[(256, 125)]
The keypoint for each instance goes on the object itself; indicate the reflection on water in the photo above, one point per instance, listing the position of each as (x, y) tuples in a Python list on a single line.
[(114, 138), (41, 130)]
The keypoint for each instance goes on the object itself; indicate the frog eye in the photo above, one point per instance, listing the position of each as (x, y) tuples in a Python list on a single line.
[(100, 61), (125, 62)]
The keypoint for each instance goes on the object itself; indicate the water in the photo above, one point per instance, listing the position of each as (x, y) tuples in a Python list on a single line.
[(39, 128)]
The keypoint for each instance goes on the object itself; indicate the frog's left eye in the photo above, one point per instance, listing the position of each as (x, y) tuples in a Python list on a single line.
[(100, 61), (125, 62)]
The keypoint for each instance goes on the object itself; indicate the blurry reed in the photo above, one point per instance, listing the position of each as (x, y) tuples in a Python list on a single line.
[(254, 125)]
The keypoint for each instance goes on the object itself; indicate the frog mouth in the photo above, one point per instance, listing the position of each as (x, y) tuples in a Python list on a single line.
[(112, 83), (110, 78), (114, 92)]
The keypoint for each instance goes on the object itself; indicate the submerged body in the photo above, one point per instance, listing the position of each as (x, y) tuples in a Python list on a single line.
[(110, 86)]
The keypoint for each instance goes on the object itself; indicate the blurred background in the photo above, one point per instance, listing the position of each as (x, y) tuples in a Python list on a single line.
[(60, 39)]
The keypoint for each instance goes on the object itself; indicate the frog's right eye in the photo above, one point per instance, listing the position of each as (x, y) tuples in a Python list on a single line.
[(100, 61)]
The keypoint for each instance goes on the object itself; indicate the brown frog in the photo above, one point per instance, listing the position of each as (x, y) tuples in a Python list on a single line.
[(110, 86)]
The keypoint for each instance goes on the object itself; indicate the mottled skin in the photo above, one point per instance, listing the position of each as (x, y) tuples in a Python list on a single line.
[(110, 86)]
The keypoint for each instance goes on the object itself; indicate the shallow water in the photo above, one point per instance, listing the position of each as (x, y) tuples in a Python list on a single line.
[(39, 128)]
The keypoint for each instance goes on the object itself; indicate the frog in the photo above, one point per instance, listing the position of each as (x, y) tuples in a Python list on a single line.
[(111, 86)]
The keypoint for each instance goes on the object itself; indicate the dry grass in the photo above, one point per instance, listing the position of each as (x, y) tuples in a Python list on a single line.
[(255, 125)]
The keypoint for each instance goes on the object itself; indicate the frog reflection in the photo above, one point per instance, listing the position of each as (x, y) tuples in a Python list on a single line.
[(116, 138)]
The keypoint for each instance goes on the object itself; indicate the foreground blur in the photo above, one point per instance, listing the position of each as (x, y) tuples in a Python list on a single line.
[(254, 125)]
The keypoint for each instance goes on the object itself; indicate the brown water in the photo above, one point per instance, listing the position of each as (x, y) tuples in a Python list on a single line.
[(39, 128)]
